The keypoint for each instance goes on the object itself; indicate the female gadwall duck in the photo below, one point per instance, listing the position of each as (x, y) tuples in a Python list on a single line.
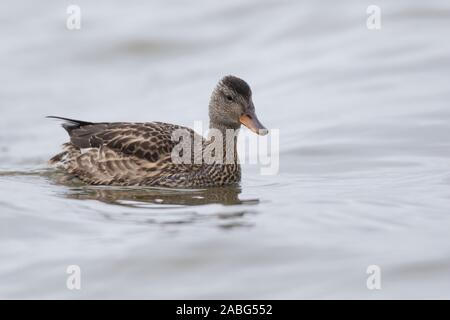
[(148, 154)]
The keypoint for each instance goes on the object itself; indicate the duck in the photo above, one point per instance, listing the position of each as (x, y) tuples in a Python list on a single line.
[(149, 153)]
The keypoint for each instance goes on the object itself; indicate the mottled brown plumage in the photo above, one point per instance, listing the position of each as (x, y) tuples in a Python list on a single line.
[(142, 153)]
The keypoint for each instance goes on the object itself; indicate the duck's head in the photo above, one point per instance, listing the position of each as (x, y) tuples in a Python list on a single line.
[(231, 105)]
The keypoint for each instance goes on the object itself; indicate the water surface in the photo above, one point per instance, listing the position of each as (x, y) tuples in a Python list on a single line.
[(364, 150)]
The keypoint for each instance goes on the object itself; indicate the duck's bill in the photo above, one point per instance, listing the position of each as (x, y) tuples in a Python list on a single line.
[(252, 122)]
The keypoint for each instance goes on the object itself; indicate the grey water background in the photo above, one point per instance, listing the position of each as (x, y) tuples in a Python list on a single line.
[(364, 173)]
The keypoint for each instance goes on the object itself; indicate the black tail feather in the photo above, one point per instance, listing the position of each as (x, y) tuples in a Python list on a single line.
[(71, 124)]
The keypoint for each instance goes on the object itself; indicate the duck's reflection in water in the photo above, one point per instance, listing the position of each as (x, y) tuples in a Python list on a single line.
[(164, 206), (161, 196)]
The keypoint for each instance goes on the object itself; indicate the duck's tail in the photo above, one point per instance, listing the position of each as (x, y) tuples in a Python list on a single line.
[(71, 124)]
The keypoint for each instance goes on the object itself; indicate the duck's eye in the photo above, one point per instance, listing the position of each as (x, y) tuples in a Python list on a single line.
[(229, 98)]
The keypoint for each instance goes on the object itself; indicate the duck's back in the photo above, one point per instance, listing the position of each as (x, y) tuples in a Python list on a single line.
[(125, 153)]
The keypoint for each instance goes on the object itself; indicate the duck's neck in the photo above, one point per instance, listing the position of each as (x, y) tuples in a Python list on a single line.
[(221, 137)]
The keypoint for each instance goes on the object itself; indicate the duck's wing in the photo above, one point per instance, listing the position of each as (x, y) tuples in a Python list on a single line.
[(150, 141)]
